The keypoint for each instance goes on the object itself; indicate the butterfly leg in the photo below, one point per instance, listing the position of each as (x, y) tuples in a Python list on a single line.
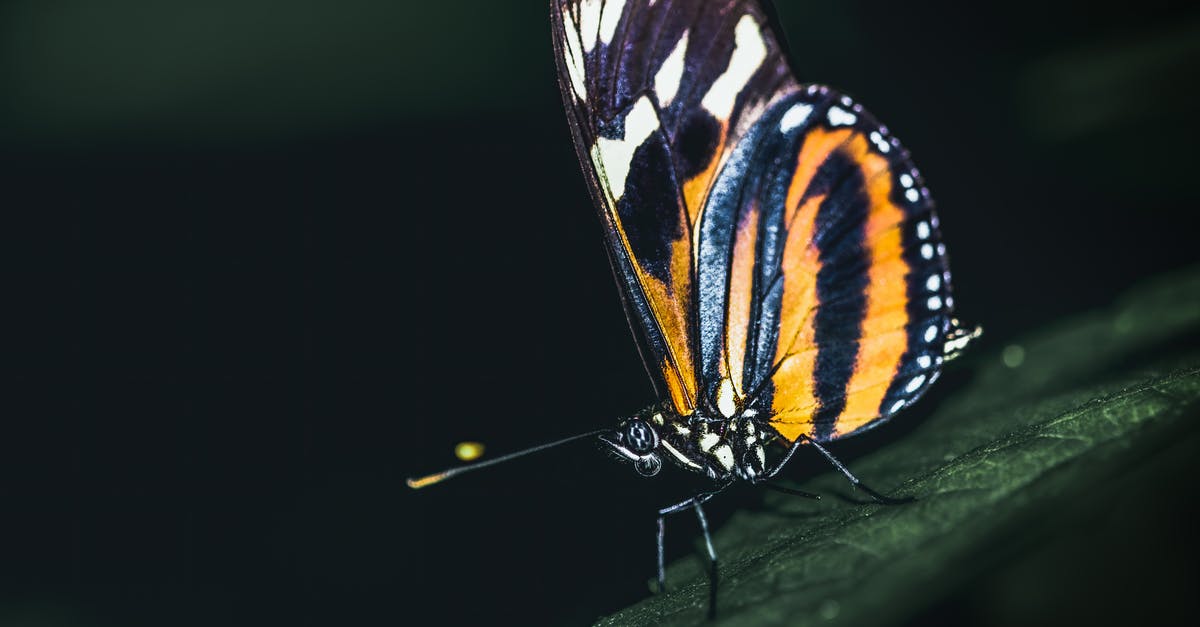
[(767, 476), (662, 533), (712, 561), (782, 462), (879, 498), (695, 503)]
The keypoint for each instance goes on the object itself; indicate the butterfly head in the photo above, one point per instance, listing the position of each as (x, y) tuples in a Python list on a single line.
[(636, 440)]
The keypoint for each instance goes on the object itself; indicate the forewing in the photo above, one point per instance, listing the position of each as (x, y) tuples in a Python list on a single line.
[(658, 95)]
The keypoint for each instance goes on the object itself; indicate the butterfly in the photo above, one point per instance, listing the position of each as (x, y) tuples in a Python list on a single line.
[(776, 251)]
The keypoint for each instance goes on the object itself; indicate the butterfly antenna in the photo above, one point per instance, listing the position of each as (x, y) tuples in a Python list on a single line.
[(439, 477)]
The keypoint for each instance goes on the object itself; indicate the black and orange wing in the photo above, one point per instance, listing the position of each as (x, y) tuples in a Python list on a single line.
[(659, 95), (838, 303), (776, 248)]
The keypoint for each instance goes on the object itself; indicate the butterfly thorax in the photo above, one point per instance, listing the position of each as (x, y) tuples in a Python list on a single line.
[(715, 446)]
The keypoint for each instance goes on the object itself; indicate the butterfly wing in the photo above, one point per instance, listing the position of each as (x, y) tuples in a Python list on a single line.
[(658, 95), (775, 247), (837, 299)]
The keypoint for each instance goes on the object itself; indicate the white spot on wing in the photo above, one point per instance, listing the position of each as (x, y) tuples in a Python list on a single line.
[(879, 142), (610, 19), (927, 251), (666, 81), (931, 333), (615, 155), (709, 440), (922, 229), (933, 283), (748, 53), (795, 117), (573, 55), (934, 303), (589, 23), (840, 117), (914, 384), (912, 195), (897, 406), (906, 180), (924, 361)]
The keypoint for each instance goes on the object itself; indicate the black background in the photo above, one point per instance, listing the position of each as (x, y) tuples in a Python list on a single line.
[(269, 259)]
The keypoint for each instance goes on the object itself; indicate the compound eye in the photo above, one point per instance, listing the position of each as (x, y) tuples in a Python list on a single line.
[(648, 466), (639, 437)]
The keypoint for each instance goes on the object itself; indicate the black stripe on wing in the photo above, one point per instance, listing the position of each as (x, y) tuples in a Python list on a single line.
[(841, 283)]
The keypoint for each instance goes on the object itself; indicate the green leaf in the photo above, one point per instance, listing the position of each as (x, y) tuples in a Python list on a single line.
[(1078, 409)]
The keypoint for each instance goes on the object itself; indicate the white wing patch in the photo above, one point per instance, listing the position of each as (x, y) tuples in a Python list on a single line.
[(748, 54), (840, 117), (610, 19), (589, 23), (795, 117), (614, 156), (666, 80), (573, 55)]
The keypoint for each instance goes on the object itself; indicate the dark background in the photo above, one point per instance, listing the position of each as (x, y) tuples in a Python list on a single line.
[(271, 258)]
